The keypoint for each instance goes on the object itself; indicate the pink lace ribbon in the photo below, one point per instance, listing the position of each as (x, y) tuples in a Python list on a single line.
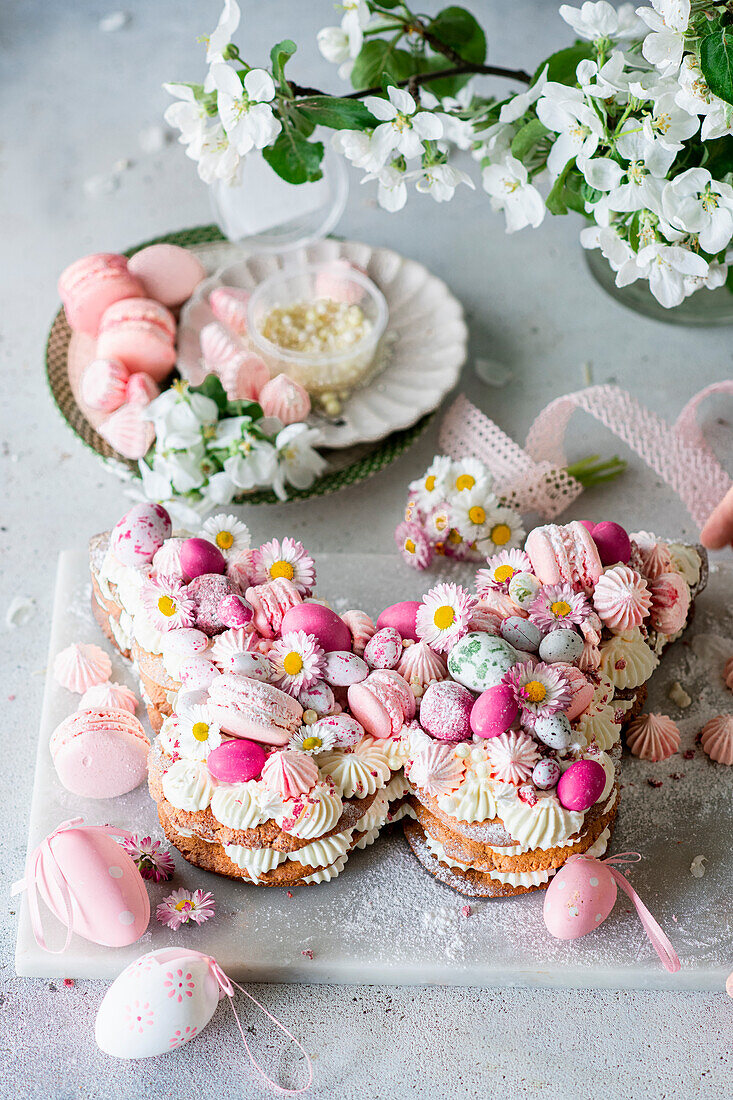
[(227, 986), (43, 856), (536, 479)]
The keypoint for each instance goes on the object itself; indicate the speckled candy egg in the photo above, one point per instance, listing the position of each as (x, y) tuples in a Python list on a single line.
[(479, 661), (186, 642), (254, 665), (199, 556), (445, 711), (494, 711), (318, 697), (384, 649), (614, 545), (546, 773), (197, 672), (579, 898), (561, 645), (236, 761), (157, 1003), (523, 587), (343, 668), (140, 533), (401, 616), (554, 731), (521, 633), (581, 785), (234, 611), (328, 628)]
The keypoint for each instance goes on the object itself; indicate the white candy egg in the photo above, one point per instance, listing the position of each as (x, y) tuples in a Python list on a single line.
[(157, 1003)]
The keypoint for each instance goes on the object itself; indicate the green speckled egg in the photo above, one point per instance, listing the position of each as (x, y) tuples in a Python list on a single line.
[(479, 660)]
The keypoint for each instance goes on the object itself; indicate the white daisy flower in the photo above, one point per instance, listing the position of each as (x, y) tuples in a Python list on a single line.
[(473, 513), (438, 522), (288, 559), (228, 533), (505, 532), (312, 741), (444, 615), (167, 605), (469, 473), (198, 732), (297, 661), (430, 489)]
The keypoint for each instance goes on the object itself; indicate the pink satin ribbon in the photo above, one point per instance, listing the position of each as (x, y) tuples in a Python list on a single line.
[(43, 856), (535, 479), (227, 985), (658, 939)]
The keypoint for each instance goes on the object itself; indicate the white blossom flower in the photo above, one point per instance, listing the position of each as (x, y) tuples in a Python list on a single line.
[(694, 202), (620, 255), (403, 127), (577, 125), (247, 118), (591, 21), (220, 38), (188, 115), (495, 142), (359, 148), (716, 276), (297, 460), (667, 267), (340, 48), (518, 105), (508, 185), (668, 124), (441, 180), (695, 97), (392, 190), (216, 158), (254, 464), (664, 44), (457, 131), (179, 417)]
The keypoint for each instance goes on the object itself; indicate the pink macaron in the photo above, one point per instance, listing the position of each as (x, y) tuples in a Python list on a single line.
[(564, 553), (100, 753), (141, 334), (168, 273), (254, 709), (90, 285), (382, 703)]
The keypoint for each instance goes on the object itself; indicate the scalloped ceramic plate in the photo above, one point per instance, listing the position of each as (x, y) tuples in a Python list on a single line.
[(425, 339)]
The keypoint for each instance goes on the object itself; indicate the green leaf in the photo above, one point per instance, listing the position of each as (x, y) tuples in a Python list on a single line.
[(729, 279), (336, 113), (298, 118), (716, 62), (720, 159), (565, 192), (280, 54), (378, 58), (295, 159), (212, 388), (525, 139), (457, 28), (245, 408), (562, 65), (634, 231)]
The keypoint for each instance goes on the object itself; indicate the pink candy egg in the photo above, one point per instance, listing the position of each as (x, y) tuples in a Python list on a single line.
[(384, 649), (109, 902), (234, 611), (343, 668), (445, 711), (199, 556), (140, 533), (329, 629), (157, 1003), (494, 711), (614, 545), (581, 785), (236, 761), (401, 616), (579, 898), (197, 672)]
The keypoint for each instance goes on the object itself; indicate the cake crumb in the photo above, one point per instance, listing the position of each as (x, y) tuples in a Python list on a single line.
[(678, 695), (688, 754), (697, 867), (308, 953), (654, 782), (290, 893), (466, 910), (69, 982)]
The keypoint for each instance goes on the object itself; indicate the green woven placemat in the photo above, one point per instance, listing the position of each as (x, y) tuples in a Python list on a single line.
[(371, 457)]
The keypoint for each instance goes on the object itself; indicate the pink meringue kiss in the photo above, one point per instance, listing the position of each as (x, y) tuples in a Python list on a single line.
[(716, 738), (290, 773), (436, 769), (104, 384), (670, 602), (217, 346), (229, 305), (127, 432), (141, 389), (285, 399), (621, 598), (361, 629), (420, 665), (653, 737), (81, 666), (728, 674), (108, 696), (244, 377)]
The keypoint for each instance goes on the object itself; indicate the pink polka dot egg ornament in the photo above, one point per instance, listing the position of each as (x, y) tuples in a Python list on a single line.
[(90, 885)]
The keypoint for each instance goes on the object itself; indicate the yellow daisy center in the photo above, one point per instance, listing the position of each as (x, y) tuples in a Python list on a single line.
[(200, 731), (183, 904), (430, 483), (282, 569), (503, 573), (410, 546), (465, 481), (500, 534), (312, 743), (293, 663), (560, 608), (535, 691), (441, 522), (167, 606), (224, 540), (477, 514), (444, 617), (454, 537)]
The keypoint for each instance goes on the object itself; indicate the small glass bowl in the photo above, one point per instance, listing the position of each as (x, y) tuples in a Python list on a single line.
[(329, 376)]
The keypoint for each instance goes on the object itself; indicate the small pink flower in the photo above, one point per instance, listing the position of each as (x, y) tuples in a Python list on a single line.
[(499, 570), (182, 906), (138, 1016), (558, 606), (167, 605), (181, 1036), (288, 559), (179, 984), (541, 690), (414, 545), (152, 861), (443, 616)]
